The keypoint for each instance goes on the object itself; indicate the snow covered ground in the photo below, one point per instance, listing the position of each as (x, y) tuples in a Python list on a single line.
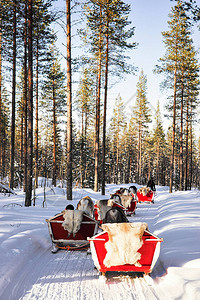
[(30, 271)]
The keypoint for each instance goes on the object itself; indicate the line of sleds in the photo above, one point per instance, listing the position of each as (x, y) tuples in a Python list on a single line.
[(143, 194), (115, 243)]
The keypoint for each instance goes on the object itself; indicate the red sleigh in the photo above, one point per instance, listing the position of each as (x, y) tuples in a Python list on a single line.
[(149, 197), (60, 238), (150, 251)]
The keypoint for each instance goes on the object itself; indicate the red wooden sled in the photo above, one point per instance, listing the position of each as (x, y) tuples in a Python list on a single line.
[(59, 235), (147, 198), (150, 251)]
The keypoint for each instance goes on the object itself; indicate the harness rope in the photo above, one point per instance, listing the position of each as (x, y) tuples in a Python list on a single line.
[(68, 247)]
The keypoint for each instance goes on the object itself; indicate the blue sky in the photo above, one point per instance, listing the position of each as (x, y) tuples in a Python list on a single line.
[(149, 18)]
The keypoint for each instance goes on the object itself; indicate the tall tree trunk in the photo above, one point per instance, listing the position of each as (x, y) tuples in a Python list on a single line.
[(54, 136), (139, 166), (117, 150), (82, 147), (157, 164), (69, 104), (85, 141), (1, 126), (1, 123), (96, 171), (4, 165), (25, 97), (181, 137), (12, 149), (36, 118), (30, 110), (186, 146), (22, 139), (190, 175), (173, 133), (104, 115)]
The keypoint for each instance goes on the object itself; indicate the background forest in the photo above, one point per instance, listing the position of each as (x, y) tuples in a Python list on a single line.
[(53, 118)]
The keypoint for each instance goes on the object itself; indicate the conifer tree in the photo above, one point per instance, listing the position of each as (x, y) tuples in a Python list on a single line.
[(69, 157), (177, 64), (141, 116), (132, 146), (85, 105), (117, 124), (43, 37), (14, 54), (28, 197), (108, 20), (54, 96), (159, 146)]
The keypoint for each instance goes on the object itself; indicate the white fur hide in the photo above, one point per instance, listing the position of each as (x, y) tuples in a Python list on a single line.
[(72, 221), (125, 239), (144, 190)]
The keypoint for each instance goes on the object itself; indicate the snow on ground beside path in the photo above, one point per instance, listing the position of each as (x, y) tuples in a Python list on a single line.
[(179, 225), (30, 271)]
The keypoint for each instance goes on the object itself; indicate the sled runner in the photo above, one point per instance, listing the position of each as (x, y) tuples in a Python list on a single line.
[(149, 197), (149, 253), (61, 239)]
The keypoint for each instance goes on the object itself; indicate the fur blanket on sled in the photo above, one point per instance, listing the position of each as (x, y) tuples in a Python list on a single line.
[(144, 190), (72, 221), (125, 239)]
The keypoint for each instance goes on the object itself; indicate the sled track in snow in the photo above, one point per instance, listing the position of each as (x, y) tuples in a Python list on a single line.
[(69, 275)]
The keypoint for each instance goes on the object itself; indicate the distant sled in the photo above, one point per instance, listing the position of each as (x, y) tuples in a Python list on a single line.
[(60, 238), (149, 197)]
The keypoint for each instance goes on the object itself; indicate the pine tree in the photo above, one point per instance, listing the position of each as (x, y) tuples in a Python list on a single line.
[(132, 145), (108, 38), (117, 124), (53, 95), (141, 116), (177, 64), (14, 46), (43, 37), (30, 108), (116, 41), (159, 145), (69, 102), (85, 105)]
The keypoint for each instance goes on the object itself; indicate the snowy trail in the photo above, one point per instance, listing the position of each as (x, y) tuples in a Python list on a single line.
[(30, 271), (71, 275)]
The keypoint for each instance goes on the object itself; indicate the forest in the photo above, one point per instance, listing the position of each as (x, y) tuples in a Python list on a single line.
[(40, 137)]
